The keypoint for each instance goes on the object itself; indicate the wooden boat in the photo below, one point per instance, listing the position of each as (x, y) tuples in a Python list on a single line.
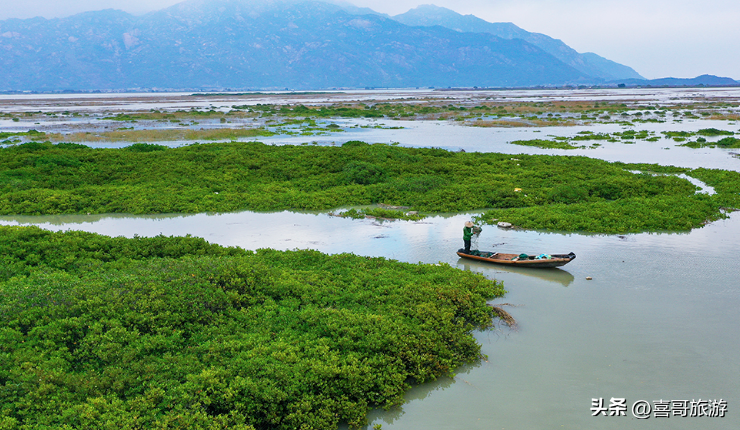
[(555, 260)]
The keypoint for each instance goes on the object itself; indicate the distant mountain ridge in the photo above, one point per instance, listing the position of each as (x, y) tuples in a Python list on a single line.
[(703, 80), (588, 63), (276, 44)]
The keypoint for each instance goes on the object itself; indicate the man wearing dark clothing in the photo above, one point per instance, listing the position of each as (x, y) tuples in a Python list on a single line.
[(467, 235)]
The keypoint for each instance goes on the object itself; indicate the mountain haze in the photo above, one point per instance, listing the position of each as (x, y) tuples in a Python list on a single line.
[(588, 63), (703, 80), (241, 44)]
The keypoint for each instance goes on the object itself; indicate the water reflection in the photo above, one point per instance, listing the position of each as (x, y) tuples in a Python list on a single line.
[(65, 220), (658, 320), (553, 274), (442, 134), (417, 393)]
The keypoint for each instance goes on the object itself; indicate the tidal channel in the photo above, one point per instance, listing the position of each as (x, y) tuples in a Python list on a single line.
[(659, 320)]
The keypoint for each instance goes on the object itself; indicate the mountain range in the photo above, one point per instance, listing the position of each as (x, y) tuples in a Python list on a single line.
[(588, 63), (277, 44), (703, 80)]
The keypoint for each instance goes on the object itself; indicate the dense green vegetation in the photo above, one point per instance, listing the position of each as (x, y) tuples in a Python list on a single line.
[(40, 178), (629, 136), (726, 184), (563, 142), (701, 142), (725, 142), (115, 333), (714, 132), (578, 210), (628, 215)]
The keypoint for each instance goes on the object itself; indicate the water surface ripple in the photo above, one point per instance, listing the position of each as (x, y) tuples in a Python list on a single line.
[(659, 320)]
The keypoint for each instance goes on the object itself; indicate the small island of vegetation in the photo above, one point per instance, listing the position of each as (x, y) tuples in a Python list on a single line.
[(173, 332), (531, 191)]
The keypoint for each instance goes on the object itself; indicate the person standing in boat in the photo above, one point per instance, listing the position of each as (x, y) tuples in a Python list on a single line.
[(467, 235)]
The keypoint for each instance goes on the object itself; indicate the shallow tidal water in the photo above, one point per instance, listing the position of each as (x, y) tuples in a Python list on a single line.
[(658, 321)]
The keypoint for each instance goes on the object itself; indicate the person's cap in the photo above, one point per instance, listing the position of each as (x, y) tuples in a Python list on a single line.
[(468, 224)]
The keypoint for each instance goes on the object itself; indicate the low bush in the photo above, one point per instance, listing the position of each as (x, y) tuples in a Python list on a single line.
[(362, 173), (42, 178), (114, 333)]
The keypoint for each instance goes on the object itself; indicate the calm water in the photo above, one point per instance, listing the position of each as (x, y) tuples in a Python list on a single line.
[(451, 136), (659, 320), (443, 134), (454, 137), (185, 100)]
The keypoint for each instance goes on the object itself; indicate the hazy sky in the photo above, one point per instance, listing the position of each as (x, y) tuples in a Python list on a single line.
[(657, 38)]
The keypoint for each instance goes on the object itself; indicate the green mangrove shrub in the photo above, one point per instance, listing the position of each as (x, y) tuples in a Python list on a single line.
[(41, 178), (114, 333), (363, 173)]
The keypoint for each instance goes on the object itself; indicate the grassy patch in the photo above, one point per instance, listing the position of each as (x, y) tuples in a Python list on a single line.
[(41, 178), (725, 142), (629, 215), (562, 142)]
